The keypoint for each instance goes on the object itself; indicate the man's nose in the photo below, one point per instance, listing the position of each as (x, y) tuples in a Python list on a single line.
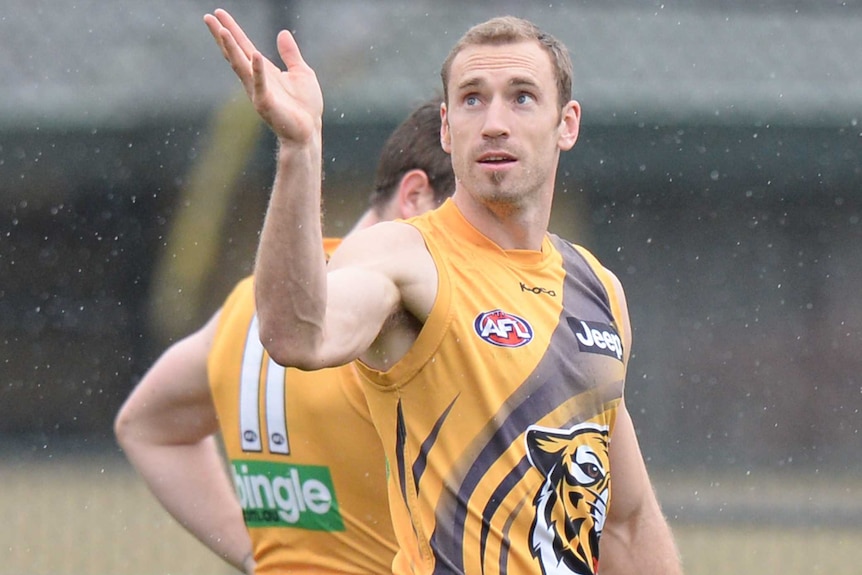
[(496, 119)]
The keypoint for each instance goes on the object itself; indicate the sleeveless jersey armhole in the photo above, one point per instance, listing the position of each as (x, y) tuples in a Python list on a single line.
[(232, 305), (430, 336)]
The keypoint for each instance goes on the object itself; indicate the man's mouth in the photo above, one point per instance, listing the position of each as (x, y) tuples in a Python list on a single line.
[(496, 159)]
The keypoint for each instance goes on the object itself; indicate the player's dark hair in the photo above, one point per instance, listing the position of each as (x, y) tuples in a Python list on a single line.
[(414, 145)]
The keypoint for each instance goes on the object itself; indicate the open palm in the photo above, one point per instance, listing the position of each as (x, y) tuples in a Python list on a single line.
[(289, 101)]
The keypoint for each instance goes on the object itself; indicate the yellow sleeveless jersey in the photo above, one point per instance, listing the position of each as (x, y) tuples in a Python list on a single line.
[(306, 462), (497, 422)]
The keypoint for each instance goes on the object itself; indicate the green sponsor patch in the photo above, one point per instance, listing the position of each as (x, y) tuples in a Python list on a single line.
[(282, 495)]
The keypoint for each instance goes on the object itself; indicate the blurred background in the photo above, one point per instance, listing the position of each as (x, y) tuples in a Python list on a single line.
[(718, 174)]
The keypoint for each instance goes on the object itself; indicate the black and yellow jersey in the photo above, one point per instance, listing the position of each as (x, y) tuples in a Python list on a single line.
[(496, 423)]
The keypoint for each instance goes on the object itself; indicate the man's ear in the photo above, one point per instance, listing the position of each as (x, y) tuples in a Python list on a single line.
[(415, 194), (570, 125), (445, 137)]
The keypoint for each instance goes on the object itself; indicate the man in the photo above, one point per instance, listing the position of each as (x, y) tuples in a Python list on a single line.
[(306, 462), (493, 353)]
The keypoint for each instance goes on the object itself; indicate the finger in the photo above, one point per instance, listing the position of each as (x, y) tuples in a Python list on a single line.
[(258, 65), (238, 61), (213, 25), (224, 38), (243, 41), (288, 49), (215, 29)]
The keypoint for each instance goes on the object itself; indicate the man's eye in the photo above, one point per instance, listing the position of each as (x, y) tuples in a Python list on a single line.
[(524, 98), (471, 100)]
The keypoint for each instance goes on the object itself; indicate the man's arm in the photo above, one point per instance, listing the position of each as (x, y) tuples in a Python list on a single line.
[(333, 320), (636, 537), (290, 271), (166, 429)]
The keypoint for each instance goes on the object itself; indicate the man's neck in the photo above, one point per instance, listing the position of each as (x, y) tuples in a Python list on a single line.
[(368, 219), (509, 226)]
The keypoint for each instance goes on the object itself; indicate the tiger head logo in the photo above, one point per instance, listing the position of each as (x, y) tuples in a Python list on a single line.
[(571, 506)]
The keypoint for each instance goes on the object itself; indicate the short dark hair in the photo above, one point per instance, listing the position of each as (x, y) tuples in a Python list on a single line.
[(414, 145), (509, 30)]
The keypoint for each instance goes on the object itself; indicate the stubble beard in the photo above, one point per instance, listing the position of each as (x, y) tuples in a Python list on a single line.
[(505, 190), (498, 193)]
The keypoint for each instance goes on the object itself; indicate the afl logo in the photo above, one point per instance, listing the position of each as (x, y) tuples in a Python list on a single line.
[(503, 329)]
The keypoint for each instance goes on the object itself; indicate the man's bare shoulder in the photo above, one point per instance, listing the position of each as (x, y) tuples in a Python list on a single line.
[(397, 251), (386, 244)]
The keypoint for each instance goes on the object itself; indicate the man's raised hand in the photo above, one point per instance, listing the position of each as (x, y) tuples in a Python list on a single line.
[(289, 101)]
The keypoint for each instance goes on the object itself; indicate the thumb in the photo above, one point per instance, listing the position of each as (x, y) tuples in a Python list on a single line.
[(288, 49)]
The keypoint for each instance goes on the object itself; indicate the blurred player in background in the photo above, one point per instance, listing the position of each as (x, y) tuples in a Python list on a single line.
[(309, 474)]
